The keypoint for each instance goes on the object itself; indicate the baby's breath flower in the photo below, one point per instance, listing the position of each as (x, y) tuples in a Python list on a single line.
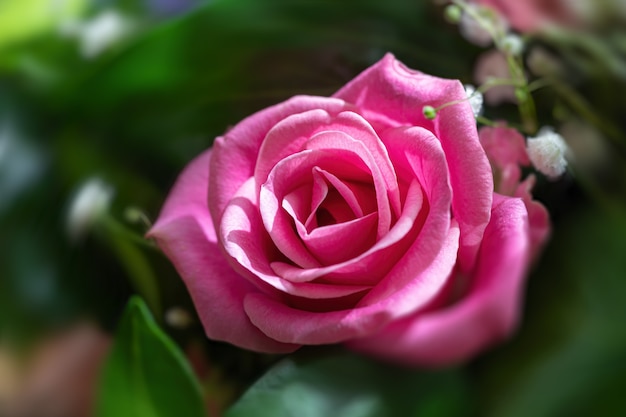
[(90, 202), (511, 44), (547, 152), (481, 25), (178, 318), (475, 99), (100, 33)]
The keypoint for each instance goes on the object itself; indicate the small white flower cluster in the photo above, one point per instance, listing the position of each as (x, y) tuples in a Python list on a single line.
[(90, 202), (547, 151), (98, 34), (475, 98), (511, 44)]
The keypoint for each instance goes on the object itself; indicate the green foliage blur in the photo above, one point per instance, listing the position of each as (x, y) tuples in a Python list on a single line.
[(116, 96)]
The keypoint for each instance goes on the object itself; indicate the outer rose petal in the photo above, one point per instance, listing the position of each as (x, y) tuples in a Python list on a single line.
[(532, 15), (538, 217), (388, 94), (506, 150), (486, 314), (185, 232), (292, 325)]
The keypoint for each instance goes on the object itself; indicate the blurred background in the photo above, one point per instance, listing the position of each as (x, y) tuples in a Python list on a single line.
[(102, 103)]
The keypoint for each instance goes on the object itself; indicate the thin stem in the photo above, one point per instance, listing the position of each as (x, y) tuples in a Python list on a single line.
[(539, 84)]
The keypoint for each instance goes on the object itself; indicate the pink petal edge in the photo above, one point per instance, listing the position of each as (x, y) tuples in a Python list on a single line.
[(484, 316), (388, 94), (185, 232)]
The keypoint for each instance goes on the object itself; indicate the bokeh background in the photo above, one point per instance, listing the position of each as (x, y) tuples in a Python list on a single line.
[(102, 102)]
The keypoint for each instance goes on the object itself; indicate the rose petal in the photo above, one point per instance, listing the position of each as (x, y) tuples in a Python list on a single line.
[(486, 314), (291, 173), (341, 242), (292, 135), (416, 153), (506, 150), (538, 217), (185, 232), (359, 197), (389, 95), (287, 324), (533, 15), (251, 250), (340, 141), (236, 152), (369, 267)]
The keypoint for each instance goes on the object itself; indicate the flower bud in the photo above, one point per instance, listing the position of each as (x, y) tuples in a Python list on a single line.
[(481, 32), (453, 13), (547, 152), (90, 202), (178, 318), (511, 44), (429, 112), (521, 94)]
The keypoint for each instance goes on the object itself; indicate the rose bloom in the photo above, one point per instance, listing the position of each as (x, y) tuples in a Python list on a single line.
[(533, 15), (352, 219)]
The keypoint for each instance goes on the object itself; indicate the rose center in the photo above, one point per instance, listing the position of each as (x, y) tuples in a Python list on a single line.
[(334, 201)]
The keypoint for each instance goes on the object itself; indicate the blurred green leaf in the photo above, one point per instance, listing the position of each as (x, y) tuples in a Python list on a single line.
[(181, 83), (146, 374), (569, 358), (348, 385), (22, 19), (137, 267)]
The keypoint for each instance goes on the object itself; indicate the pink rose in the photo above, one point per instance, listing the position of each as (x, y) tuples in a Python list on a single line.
[(533, 15), (506, 149), (352, 219)]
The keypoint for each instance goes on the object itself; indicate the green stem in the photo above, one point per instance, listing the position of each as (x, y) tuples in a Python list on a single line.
[(526, 106), (124, 245)]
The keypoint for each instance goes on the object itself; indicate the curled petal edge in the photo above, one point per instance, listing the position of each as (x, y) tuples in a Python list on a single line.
[(487, 314)]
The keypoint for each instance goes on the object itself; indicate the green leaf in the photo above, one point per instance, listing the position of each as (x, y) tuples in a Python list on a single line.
[(20, 20), (181, 83), (137, 267), (146, 374), (348, 385)]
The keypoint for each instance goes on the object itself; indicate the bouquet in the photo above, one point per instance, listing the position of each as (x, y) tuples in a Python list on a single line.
[(272, 208)]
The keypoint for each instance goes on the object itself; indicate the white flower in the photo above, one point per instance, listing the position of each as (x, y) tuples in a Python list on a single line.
[(90, 202), (475, 99), (512, 44), (98, 34), (547, 152), (178, 318)]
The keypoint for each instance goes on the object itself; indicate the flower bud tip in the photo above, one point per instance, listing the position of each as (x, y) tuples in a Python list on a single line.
[(453, 13), (429, 112)]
